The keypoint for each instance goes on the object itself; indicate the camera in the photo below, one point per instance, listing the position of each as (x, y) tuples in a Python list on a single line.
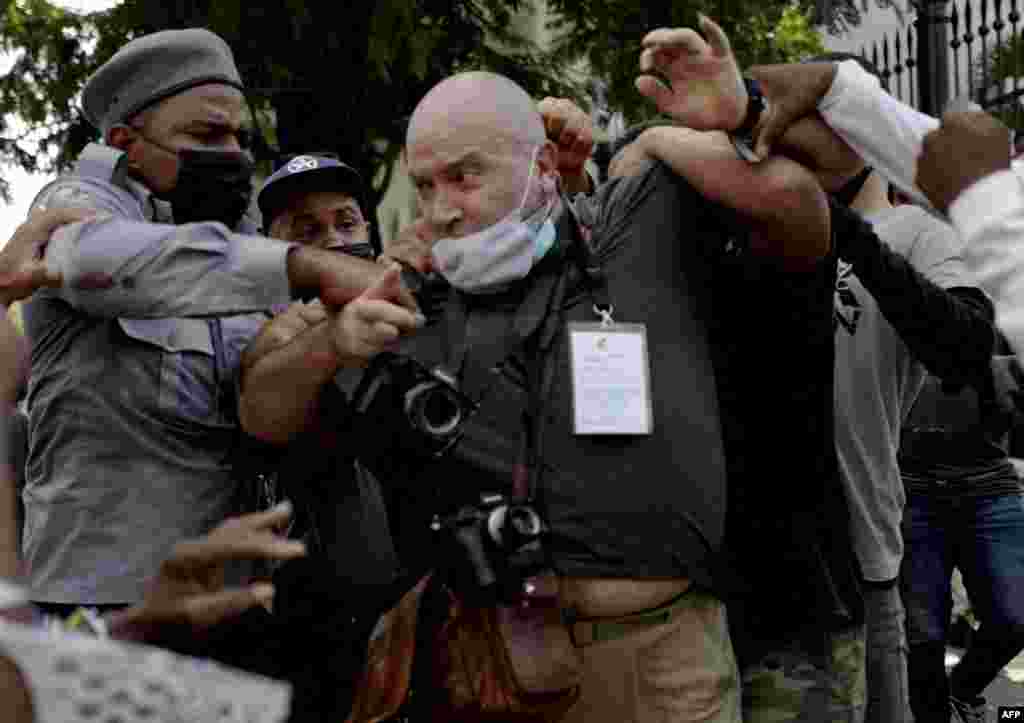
[(406, 413), (491, 548), (423, 408)]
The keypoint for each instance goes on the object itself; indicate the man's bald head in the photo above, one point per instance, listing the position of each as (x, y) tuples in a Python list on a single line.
[(478, 102), (470, 147)]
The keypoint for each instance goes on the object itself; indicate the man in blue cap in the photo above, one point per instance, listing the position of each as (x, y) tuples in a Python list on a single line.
[(314, 199), (133, 391)]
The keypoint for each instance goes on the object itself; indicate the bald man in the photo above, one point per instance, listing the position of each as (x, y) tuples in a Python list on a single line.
[(630, 482)]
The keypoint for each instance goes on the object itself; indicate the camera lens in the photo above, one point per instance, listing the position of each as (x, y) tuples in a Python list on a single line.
[(433, 409), (524, 521), (511, 527)]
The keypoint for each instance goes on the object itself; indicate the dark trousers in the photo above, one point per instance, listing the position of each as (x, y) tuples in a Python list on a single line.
[(984, 538)]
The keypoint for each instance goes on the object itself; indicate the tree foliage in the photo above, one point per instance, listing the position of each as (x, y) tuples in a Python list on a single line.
[(330, 80), (842, 16), (999, 81), (1006, 62), (344, 78), (607, 36)]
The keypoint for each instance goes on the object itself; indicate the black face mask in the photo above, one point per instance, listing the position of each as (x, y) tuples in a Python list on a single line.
[(361, 250), (851, 188), (212, 186)]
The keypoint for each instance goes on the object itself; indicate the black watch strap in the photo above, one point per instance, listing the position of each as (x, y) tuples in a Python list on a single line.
[(756, 105)]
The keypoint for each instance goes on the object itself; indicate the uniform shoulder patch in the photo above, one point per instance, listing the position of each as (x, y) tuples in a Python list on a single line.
[(64, 194)]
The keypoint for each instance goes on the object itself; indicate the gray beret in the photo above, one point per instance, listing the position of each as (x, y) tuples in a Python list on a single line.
[(154, 67)]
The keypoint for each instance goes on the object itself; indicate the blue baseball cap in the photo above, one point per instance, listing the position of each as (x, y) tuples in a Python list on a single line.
[(306, 174)]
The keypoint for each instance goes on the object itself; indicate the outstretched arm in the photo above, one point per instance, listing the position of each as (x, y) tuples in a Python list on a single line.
[(117, 264), (786, 208), (287, 365), (702, 90)]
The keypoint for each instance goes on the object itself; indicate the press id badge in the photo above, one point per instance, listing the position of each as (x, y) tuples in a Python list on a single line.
[(611, 378)]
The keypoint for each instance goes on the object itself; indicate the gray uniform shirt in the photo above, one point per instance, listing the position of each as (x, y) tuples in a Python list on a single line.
[(132, 397), (877, 381)]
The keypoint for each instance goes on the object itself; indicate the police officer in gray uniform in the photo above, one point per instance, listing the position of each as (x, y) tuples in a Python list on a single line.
[(132, 399)]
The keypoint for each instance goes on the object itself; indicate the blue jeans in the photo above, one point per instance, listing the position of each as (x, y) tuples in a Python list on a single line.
[(984, 538)]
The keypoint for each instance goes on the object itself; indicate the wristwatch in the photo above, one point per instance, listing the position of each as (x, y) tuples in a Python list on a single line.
[(743, 137)]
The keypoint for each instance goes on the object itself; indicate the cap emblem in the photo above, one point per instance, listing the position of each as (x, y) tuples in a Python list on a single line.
[(302, 163)]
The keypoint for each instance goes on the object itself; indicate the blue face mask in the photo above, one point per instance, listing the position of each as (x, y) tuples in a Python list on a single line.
[(490, 259)]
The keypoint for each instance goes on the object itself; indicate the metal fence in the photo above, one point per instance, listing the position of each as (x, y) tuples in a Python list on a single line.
[(960, 48)]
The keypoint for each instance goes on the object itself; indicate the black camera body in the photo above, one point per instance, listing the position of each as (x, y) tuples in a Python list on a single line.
[(421, 410), (489, 549)]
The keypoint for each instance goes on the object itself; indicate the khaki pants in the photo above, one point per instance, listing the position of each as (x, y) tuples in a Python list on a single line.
[(681, 671)]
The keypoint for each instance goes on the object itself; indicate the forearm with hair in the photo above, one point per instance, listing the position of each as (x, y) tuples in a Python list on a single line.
[(813, 144), (341, 276), (280, 391), (787, 210)]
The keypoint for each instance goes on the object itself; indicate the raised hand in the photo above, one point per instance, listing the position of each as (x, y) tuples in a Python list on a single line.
[(571, 129), (189, 595), (793, 91), (696, 82)]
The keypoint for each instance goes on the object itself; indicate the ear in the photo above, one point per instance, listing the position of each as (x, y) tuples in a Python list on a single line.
[(121, 137)]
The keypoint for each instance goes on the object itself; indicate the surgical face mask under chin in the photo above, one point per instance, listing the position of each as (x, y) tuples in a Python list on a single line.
[(76, 678), (490, 259)]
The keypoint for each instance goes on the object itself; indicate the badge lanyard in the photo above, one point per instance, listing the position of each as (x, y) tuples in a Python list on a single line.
[(611, 380)]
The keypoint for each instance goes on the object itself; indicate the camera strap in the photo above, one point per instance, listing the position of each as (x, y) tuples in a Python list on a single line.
[(480, 339), (540, 373), (541, 370), (582, 253)]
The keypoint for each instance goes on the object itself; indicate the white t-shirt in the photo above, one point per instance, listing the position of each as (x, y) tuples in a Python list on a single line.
[(876, 383), (989, 215)]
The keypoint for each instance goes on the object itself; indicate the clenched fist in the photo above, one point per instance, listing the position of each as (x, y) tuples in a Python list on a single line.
[(570, 128)]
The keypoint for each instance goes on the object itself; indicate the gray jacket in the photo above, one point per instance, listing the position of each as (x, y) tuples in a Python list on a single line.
[(132, 398)]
